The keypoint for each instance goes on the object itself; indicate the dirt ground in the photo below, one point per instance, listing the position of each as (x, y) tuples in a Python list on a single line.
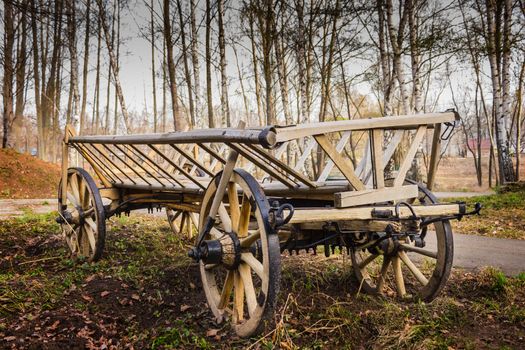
[(145, 293), (459, 175), (24, 176)]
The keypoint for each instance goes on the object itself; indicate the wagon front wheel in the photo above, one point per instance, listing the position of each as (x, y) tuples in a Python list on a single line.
[(182, 221), (413, 267), (240, 269), (81, 215)]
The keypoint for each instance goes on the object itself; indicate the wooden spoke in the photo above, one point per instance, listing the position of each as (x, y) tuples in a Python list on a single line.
[(383, 274), (249, 290), (255, 264), (90, 230), (411, 248), (226, 290), (238, 299), (74, 189), (398, 273), (216, 234), (367, 261), (225, 218), (415, 271), (250, 239), (242, 228), (234, 204)]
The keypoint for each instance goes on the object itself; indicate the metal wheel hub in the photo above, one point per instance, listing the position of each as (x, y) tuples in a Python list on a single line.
[(225, 251)]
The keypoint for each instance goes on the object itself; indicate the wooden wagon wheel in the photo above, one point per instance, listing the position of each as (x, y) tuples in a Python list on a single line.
[(81, 215), (405, 268), (244, 284), (182, 221)]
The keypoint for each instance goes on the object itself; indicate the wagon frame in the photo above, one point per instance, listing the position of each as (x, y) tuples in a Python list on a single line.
[(248, 216)]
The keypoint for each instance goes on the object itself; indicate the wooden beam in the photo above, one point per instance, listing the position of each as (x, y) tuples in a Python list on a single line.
[(407, 162), (391, 122), (376, 137), (370, 196), (340, 162), (434, 156), (365, 213), (306, 153), (330, 163)]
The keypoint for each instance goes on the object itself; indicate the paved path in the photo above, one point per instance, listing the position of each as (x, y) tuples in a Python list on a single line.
[(473, 252), (470, 252)]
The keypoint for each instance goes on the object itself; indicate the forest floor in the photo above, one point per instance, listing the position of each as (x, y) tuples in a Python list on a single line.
[(25, 176), (145, 293)]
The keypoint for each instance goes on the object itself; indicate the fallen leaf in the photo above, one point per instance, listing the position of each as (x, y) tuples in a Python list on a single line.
[(212, 332), (10, 338), (87, 298), (54, 325), (90, 278), (192, 286), (104, 293), (184, 308), (135, 297)]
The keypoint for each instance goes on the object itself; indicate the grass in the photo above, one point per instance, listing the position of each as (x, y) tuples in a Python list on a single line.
[(146, 293), (502, 215)]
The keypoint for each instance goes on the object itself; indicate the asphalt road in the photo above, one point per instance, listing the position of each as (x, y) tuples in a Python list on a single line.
[(470, 252)]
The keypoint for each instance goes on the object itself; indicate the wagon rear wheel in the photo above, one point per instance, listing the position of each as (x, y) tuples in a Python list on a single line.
[(406, 268), (81, 215), (182, 221), (244, 284)]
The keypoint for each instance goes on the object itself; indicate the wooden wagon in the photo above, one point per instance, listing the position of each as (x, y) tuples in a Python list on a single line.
[(249, 204)]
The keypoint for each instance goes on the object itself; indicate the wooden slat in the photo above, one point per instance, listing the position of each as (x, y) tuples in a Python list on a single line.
[(407, 162), (285, 168), (340, 162), (265, 167), (330, 163), (369, 196), (377, 158), (434, 156), (306, 153)]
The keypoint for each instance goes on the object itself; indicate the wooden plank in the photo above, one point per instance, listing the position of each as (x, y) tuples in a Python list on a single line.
[(365, 213), (189, 157), (391, 122), (363, 166), (407, 162), (434, 156), (330, 163), (340, 162), (377, 157), (306, 153), (370, 196), (285, 168), (275, 173)]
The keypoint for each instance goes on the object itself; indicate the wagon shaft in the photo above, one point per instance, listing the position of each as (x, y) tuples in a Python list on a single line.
[(247, 195)]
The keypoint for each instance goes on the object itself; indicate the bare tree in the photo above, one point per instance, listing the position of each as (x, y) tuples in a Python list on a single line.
[(83, 118), (222, 53), (7, 89), (178, 120)]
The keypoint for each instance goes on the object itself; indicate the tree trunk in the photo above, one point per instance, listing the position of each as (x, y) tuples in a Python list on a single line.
[(195, 61), (83, 118), (7, 89), (96, 104), (115, 105), (36, 77), (187, 73), (21, 66), (153, 72), (72, 45), (224, 80), (257, 83), (211, 119), (178, 120), (114, 67)]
